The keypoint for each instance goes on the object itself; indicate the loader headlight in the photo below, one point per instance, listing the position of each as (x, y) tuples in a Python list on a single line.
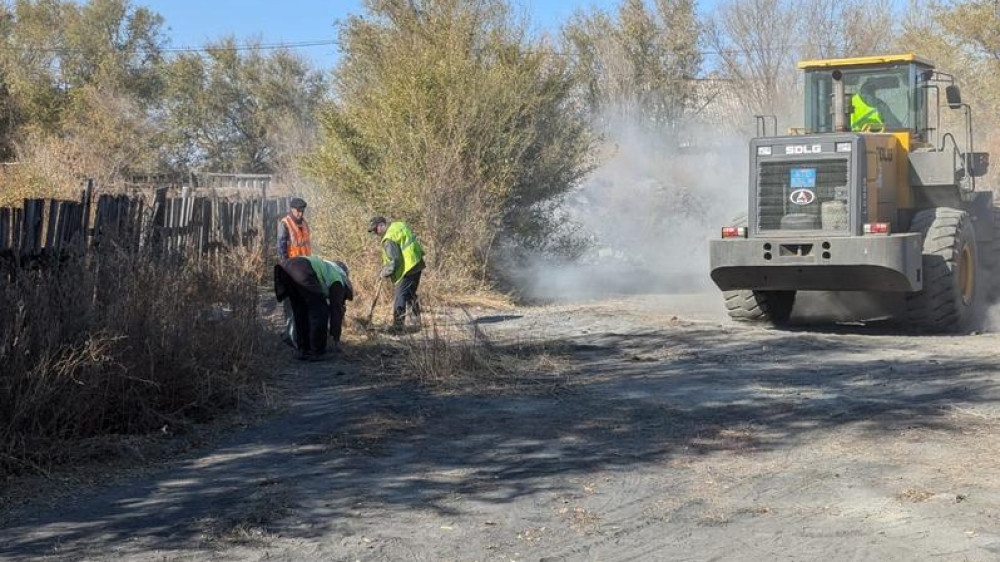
[(843, 147), (763, 151)]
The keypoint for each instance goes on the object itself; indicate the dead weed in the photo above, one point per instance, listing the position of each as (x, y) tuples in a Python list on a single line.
[(251, 523), (370, 435)]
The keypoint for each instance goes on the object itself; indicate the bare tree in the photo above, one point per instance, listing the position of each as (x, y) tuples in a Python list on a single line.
[(756, 41), (638, 66), (848, 28), (759, 42)]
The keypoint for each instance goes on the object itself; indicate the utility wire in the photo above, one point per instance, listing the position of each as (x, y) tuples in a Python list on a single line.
[(206, 49), (251, 46)]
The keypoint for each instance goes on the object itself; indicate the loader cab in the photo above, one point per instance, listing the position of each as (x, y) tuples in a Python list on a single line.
[(881, 94)]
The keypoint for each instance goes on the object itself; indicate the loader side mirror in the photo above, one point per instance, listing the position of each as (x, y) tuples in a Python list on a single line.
[(954, 96), (976, 163)]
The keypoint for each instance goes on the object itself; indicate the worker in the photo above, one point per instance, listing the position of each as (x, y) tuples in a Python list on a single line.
[(402, 263), (317, 290), (869, 111), (294, 238)]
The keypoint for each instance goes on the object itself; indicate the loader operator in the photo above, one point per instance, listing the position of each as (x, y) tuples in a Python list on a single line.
[(868, 111), (317, 290), (402, 263)]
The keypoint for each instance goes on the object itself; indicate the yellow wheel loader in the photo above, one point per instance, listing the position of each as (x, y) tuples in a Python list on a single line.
[(871, 195)]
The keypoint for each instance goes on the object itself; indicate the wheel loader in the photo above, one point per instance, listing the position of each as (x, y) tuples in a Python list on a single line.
[(872, 194)]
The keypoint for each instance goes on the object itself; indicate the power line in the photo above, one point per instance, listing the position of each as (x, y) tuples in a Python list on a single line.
[(206, 49), (253, 46)]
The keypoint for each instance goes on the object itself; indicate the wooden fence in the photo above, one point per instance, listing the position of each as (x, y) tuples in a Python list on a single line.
[(162, 222)]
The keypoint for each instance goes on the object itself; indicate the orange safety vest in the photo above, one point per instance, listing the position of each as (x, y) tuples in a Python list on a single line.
[(299, 239)]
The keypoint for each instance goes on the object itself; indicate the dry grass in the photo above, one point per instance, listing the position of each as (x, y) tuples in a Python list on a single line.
[(451, 354), (371, 434), (914, 495), (581, 519), (122, 343), (250, 525)]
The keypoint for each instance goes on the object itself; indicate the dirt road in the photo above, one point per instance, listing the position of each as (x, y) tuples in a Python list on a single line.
[(669, 434)]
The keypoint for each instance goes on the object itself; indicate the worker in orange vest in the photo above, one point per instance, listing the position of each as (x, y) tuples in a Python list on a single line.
[(294, 241), (294, 238)]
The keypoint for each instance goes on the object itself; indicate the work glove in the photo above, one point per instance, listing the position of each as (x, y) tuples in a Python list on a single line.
[(387, 271)]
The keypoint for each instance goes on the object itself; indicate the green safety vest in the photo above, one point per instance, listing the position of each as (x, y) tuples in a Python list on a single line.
[(412, 251), (327, 272), (863, 114)]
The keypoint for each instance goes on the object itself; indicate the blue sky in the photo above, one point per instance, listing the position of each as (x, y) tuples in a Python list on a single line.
[(191, 23)]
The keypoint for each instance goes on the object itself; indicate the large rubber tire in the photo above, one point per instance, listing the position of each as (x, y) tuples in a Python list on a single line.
[(950, 301), (772, 307), (991, 261)]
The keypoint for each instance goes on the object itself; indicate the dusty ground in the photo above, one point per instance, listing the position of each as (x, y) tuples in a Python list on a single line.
[(658, 431)]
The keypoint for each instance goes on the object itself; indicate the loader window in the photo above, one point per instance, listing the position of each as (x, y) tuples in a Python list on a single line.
[(883, 98)]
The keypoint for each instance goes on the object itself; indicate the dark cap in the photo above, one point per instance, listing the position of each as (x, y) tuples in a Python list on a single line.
[(297, 203), (375, 222)]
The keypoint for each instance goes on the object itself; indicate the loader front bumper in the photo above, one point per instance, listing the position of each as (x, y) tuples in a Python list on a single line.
[(855, 263)]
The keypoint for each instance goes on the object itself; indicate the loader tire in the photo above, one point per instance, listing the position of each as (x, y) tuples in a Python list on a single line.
[(950, 301), (991, 261), (773, 307)]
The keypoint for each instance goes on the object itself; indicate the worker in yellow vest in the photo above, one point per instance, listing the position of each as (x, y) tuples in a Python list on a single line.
[(864, 115), (402, 263), (294, 238), (869, 112), (317, 290)]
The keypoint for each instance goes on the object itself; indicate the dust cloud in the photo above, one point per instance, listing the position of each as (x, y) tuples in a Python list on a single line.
[(647, 214), (991, 319)]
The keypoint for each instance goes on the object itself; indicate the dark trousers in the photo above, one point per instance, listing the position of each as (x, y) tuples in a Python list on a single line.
[(311, 313), (338, 299), (406, 295)]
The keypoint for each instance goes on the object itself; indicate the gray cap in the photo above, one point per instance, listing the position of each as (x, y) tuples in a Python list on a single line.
[(297, 203), (375, 222)]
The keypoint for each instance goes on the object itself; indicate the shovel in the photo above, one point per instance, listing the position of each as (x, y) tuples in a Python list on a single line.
[(367, 323)]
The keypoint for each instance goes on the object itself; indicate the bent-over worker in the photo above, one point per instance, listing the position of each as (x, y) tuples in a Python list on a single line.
[(317, 290)]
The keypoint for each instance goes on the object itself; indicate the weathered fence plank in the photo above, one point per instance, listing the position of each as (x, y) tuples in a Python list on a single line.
[(5, 229), (166, 225)]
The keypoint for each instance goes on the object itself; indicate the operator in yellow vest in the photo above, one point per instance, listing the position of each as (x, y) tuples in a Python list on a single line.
[(868, 110), (863, 115), (402, 263)]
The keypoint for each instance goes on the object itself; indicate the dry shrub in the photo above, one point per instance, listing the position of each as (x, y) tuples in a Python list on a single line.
[(39, 177), (449, 115), (106, 134), (121, 342)]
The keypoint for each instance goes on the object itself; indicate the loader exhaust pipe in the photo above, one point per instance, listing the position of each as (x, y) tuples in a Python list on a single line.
[(841, 124)]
